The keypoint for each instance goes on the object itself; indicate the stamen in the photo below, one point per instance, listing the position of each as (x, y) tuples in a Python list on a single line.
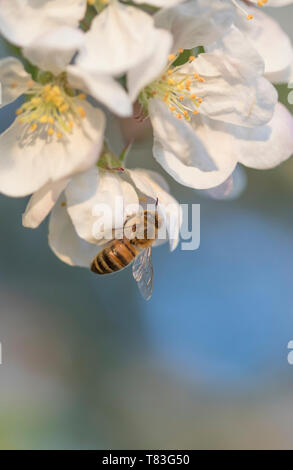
[(51, 107), (81, 111), (175, 87), (248, 16)]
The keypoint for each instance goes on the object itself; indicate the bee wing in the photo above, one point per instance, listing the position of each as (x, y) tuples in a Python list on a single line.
[(143, 272)]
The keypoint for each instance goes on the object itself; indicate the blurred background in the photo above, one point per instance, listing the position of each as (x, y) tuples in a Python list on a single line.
[(87, 364)]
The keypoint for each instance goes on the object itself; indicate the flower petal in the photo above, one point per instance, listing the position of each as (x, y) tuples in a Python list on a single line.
[(13, 79), (41, 203), (98, 202), (64, 241), (22, 21), (196, 23), (267, 146), (234, 89), (195, 154), (159, 3), (54, 50), (271, 42), (146, 72), (101, 87), (120, 38), (29, 161), (232, 188), (275, 3)]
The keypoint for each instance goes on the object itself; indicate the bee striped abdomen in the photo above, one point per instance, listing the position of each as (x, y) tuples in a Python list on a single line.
[(115, 256)]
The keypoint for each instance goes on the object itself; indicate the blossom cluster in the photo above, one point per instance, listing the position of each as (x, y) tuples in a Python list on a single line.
[(202, 72)]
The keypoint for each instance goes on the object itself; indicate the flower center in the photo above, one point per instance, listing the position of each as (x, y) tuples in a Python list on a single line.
[(53, 108), (176, 88)]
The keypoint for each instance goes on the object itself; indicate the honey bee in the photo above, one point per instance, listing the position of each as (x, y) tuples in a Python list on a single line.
[(139, 234)]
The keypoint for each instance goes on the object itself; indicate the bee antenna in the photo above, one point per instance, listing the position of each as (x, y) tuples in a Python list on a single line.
[(157, 202)]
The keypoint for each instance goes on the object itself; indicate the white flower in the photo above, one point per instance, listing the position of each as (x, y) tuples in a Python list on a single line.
[(77, 229), (268, 38), (121, 39), (197, 110), (55, 134), (23, 22)]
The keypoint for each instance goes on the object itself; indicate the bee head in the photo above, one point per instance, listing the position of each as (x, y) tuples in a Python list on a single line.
[(142, 228)]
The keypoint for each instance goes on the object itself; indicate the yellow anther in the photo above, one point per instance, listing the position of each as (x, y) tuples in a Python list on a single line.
[(47, 88), (81, 111), (56, 90), (63, 108), (36, 101), (18, 112), (33, 127), (180, 50), (50, 131), (13, 85), (30, 83), (59, 135), (43, 119), (71, 124), (171, 57), (63, 204), (81, 96), (250, 17), (171, 88)]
